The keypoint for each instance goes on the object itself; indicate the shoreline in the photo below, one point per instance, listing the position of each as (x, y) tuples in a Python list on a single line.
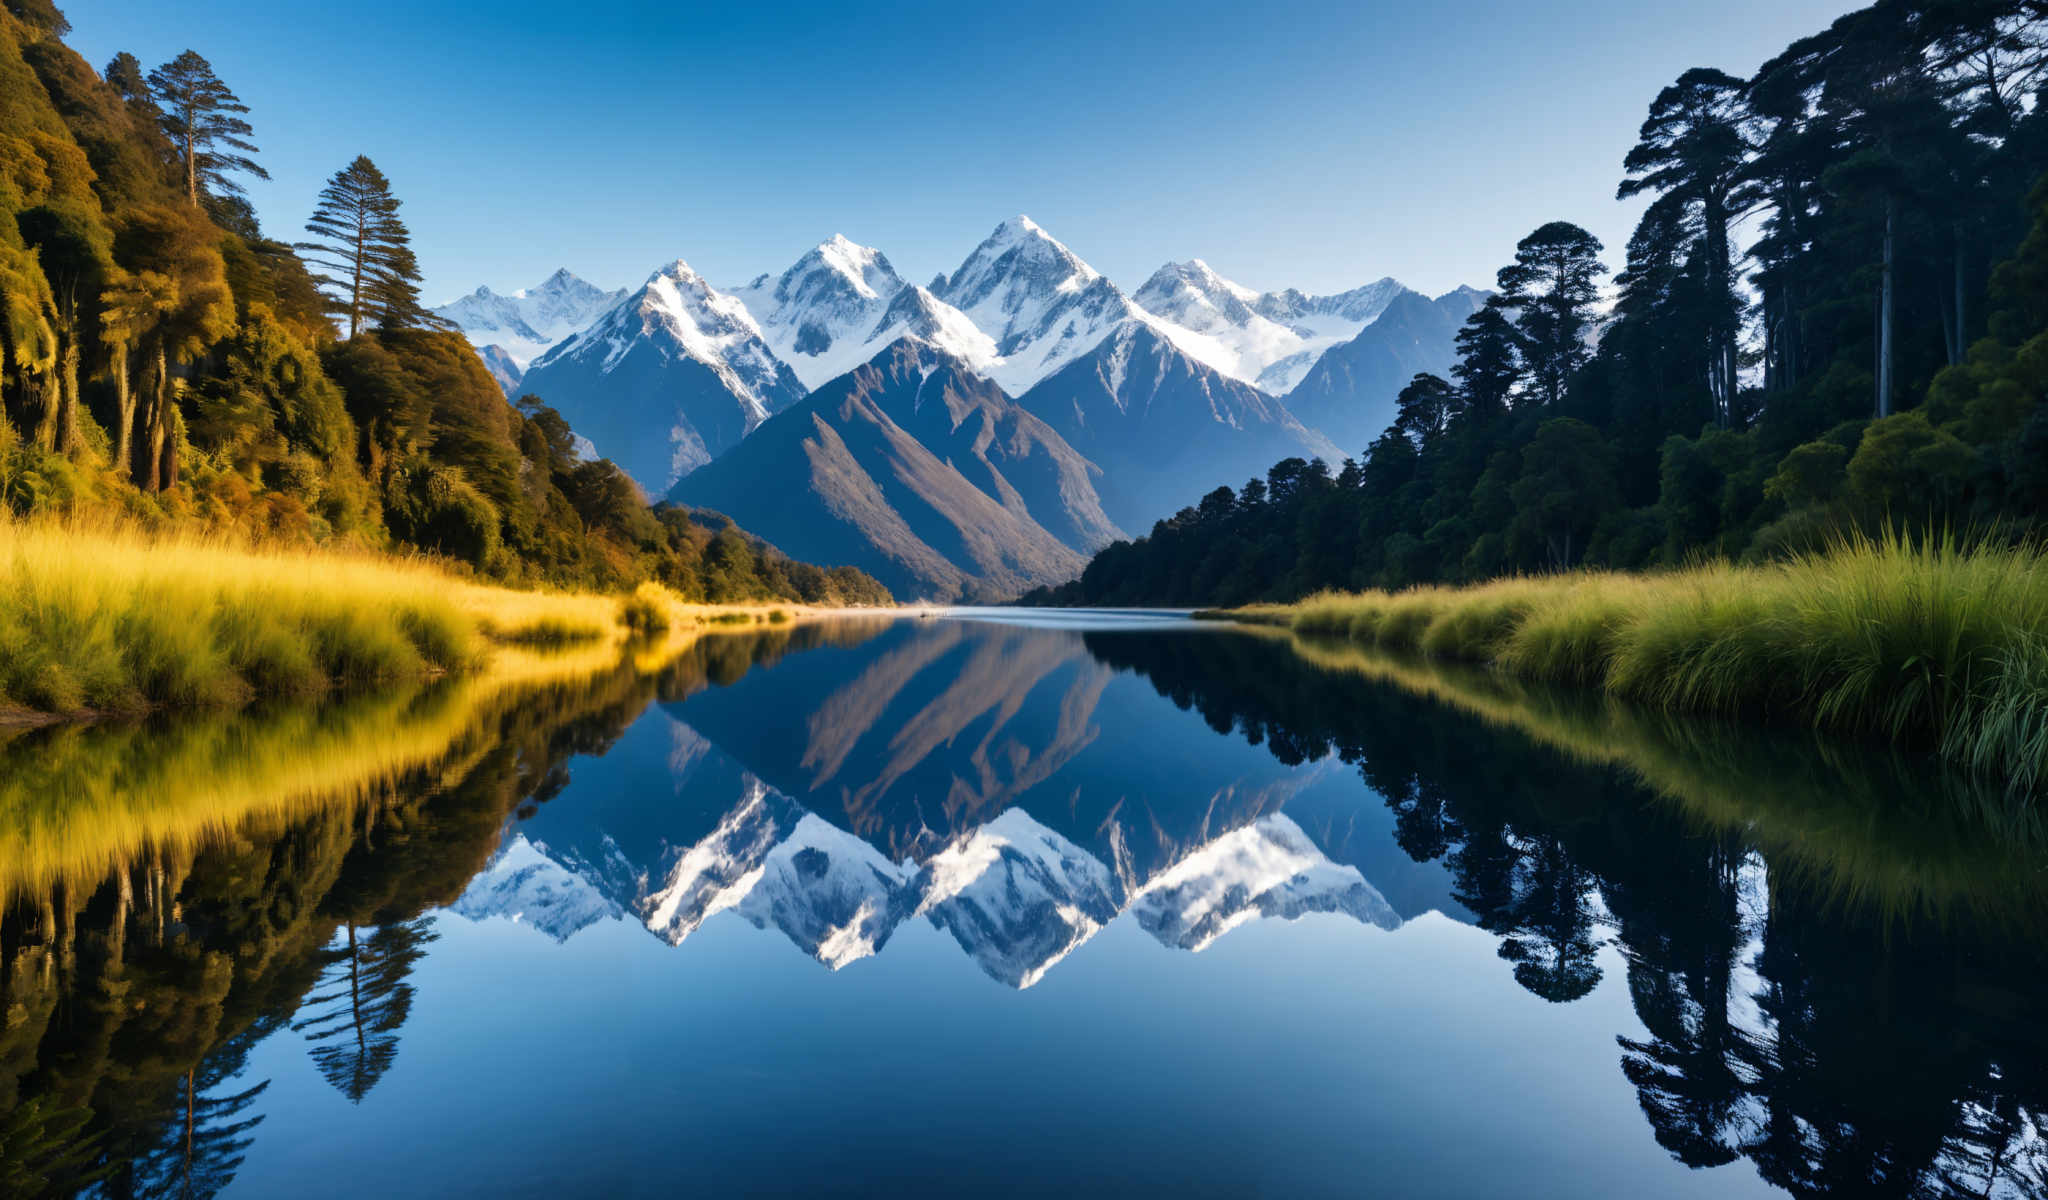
[(100, 624), (1930, 646)]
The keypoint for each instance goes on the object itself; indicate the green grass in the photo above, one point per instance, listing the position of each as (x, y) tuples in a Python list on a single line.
[(1925, 643)]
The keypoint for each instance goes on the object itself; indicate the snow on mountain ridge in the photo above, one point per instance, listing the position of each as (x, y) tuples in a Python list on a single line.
[(1269, 868), (842, 302), (1044, 307), (525, 885), (524, 324), (1267, 339), (1016, 896)]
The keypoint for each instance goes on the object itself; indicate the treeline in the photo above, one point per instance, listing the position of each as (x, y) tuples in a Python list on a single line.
[(1832, 316), (164, 359)]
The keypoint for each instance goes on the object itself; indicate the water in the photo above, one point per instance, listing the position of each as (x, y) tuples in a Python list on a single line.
[(1001, 904)]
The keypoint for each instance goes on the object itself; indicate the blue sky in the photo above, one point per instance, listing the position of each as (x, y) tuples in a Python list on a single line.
[(1317, 144)]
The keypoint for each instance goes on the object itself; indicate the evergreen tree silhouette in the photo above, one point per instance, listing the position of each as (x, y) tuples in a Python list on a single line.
[(364, 997)]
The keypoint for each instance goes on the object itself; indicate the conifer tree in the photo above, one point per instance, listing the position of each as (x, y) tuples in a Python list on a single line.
[(124, 73), (1425, 408), (363, 252), (1489, 363), (41, 16), (200, 116), (1552, 285), (1692, 151)]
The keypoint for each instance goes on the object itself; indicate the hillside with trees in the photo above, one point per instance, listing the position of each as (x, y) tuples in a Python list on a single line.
[(165, 360), (1832, 317)]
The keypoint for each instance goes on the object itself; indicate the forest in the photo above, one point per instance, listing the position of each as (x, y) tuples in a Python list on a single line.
[(167, 364), (1831, 320)]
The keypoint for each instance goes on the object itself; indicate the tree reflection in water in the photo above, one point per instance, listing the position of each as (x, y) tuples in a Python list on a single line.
[(1830, 949), (1835, 952)]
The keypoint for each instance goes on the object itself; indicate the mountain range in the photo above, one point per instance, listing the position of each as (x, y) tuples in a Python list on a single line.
[(511, 331), (813, 827), (920, 471), (1071, 411)]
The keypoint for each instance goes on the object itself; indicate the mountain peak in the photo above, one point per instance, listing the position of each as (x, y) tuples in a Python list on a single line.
[(864, 268), (527, 322), (679, 270), (1035, 298)]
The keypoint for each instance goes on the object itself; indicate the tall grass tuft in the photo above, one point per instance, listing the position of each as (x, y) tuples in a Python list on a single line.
[(1930, 643), (648, 609), (97, 619)]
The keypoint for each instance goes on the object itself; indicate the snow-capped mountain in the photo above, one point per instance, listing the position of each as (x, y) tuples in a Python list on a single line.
[(1268, 339), (524, 324), (1018, 897), (1037, 300), (1164, 427), (524, 884), (672, 376), (667, 379), (1269, 868), (1194, 297), (841, 303), (1349, 391)]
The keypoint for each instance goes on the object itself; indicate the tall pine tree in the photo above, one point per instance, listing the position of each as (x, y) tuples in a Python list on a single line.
[(201, 117), (1552, 285), (363, 252)]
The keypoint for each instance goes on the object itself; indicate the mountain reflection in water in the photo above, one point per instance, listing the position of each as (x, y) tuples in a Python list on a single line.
[(1830, 953)]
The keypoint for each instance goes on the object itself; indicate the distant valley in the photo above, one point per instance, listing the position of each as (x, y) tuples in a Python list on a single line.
[(967, 439)]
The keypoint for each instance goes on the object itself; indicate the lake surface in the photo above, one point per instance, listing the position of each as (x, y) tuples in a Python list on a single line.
[(1012, 904)]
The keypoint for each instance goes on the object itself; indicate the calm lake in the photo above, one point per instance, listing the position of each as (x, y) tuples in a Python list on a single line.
[(1012, 904)]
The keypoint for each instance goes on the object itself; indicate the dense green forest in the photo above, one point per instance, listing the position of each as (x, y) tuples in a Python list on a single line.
[(1832, 316), (164, 360)]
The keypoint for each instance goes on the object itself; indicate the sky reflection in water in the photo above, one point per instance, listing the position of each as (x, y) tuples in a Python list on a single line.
[(1111, 905)]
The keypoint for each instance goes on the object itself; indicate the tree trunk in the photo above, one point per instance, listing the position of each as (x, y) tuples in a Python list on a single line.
[(1962, 308), (174, 429), (68, 438), (1724, 293), (1884, 314), (153, 422), (124, 410), (42, 400)]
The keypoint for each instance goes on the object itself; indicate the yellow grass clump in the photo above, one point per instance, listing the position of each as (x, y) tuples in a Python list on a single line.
[(1926, 642), (107, 620)]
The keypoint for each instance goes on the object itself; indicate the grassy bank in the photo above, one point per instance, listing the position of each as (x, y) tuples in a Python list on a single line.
[(1929, 645), (97, 621)]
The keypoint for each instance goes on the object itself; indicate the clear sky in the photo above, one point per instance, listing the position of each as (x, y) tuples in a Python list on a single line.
[(1315, 143)]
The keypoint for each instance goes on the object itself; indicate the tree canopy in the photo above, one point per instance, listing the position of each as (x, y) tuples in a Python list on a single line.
[(1832, 316)]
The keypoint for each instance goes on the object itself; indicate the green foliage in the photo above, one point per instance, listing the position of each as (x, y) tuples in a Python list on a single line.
[(161, 358), (1899, 173), (201, 117), (1813, 474), (364, 252), (435, 508)]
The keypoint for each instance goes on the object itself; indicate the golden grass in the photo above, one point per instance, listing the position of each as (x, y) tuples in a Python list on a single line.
[(1927, 643), (107, 620), (368, 666), (77, 799)]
